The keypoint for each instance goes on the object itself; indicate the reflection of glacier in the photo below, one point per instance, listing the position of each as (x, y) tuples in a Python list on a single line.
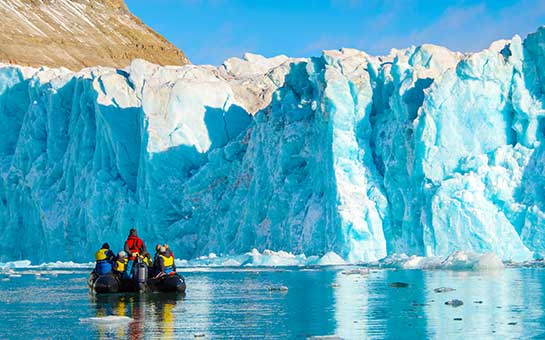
[(424, 151), (505, 298), (509, 305), (351, 293)]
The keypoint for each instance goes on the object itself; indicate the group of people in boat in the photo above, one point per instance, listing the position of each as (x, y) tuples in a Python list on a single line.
[(123, 266)]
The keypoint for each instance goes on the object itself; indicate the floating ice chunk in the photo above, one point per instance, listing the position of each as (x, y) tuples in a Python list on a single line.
[(467, 260), (272, 258), (26, 264), (456, 261), (454, 303), (331, 259), (15, 264), (108, 320), (231, 263), (443, 289), (489, 261), (357, 271), (278, 289)]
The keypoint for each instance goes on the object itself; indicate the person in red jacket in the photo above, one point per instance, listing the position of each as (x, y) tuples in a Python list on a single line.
[(134, 246)]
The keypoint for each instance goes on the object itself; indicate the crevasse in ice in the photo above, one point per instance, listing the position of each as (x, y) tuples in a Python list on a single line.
[(424, 151)]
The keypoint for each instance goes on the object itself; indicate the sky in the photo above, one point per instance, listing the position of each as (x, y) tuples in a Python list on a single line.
[(210, 31)]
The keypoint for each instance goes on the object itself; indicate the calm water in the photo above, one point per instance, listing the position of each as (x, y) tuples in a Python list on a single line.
[(238, 304)]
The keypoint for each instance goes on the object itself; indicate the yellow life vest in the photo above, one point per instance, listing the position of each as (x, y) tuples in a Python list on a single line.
[(100, 255), (121, 265), (168, 262)]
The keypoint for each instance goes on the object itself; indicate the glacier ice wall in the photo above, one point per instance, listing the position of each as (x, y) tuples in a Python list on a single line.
[(424, 151)]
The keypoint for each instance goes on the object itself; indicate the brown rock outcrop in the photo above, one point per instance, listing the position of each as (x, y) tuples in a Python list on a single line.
[(79, 33)]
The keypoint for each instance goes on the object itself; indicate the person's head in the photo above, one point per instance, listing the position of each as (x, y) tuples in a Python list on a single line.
[(122, 254), (146, 254), (162, 250), (106, 246), (132, 232), (157, 247)]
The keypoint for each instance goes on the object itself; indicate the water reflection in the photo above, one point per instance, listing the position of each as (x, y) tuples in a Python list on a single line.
[(106, 305), (401, 308), (319, 301), (151, 315), (494, 303), (137, 311), (351, 294), (505, 304), (164, 311)]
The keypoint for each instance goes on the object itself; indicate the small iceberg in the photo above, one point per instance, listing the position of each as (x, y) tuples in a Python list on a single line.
[(443, 289), (454, 303), (278, 289), (357, 271), (459, 260), (108, 320), (331, 259)]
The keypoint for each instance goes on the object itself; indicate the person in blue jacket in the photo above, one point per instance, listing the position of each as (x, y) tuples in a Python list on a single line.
[(104, 258)]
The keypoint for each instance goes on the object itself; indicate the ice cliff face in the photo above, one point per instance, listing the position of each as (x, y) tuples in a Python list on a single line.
[(424, 151)]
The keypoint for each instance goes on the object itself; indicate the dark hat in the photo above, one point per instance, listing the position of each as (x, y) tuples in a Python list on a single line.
[(106, 246)]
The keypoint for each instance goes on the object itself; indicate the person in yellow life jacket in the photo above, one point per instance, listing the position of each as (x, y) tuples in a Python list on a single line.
[(165, 263), (120, 265), (104, 258)]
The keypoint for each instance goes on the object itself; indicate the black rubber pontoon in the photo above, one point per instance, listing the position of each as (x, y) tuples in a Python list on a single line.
[(105, 284), (167, 284)]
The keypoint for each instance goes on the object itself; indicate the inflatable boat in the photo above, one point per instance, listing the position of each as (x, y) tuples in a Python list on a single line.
[(112, 283)]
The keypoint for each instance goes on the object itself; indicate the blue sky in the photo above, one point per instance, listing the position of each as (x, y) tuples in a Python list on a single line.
[(209, 31)]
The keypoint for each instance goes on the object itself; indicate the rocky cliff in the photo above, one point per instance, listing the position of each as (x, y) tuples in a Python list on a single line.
[(79, 33)]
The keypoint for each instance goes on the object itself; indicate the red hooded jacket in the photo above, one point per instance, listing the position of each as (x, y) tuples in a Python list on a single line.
[(134, 244)]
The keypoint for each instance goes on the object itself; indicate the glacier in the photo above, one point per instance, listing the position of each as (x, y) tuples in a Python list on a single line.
[(424, 151)]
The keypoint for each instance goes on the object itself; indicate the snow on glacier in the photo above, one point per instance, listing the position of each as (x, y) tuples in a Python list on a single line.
[(425, 151)]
